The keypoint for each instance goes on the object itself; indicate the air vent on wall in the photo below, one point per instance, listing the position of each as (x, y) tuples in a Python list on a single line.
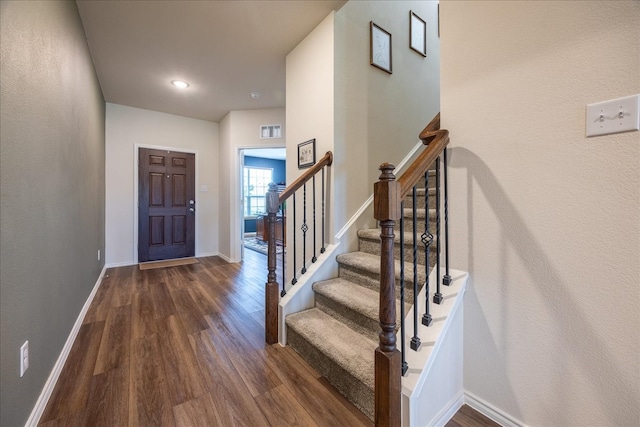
[(270, 131)]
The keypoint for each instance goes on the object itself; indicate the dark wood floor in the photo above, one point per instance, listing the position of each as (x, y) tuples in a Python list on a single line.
[(184, 346)]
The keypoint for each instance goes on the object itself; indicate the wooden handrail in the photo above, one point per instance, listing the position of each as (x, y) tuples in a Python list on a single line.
[(438, 140), (326, 160)]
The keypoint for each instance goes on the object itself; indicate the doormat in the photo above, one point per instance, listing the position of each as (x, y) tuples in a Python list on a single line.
[(167, 263), (259, 245)]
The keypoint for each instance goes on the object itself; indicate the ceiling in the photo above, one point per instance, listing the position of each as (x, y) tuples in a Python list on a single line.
[(224, 49)]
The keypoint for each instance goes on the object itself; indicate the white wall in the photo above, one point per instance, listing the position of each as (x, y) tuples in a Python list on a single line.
[(546, 221), (128, 127), (238, 130)]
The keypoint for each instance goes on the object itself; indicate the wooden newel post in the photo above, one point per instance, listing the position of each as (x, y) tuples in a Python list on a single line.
[(388, 360), (272, 297)]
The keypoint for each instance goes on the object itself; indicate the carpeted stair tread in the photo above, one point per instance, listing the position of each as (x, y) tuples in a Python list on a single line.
[(352, 351), (371, 264), (354, 297)]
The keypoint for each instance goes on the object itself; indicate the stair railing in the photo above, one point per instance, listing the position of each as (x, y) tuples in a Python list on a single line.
[(389, 193), (276, 206)]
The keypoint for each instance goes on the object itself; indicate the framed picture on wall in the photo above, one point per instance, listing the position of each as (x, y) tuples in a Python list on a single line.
[(307, 154), (417, 34), (380, 48)]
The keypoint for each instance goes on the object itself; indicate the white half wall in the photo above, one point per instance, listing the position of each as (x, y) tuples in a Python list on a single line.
[(128, 128), (546, 221)]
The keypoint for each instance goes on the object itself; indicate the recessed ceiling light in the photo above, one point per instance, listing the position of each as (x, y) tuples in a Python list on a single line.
[(255, 95), (180, 84)]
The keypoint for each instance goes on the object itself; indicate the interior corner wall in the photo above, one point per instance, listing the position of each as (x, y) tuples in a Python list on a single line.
[(52, 191), (128, 127), (310, 99), (240, 129), (546, 221), (378, 116)]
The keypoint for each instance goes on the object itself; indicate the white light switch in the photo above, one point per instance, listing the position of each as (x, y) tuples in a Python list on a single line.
[(204, 188), (614, 116)]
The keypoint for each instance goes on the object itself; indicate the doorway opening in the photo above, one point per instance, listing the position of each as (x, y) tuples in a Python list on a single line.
[(258, 168)]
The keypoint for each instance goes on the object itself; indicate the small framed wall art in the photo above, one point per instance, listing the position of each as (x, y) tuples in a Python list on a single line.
[(380, 48), (417, 34), (307, 154)]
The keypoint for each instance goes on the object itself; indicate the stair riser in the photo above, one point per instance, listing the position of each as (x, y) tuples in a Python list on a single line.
[(408, 225), (353, 389), (356, 321), (373, 247), (373, 281), (408, 202)]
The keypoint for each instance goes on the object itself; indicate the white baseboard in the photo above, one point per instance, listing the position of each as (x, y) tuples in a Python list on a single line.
[(206, 254), (449, 411), (224, 257), (43, 399), (491, 411), (119, 264)]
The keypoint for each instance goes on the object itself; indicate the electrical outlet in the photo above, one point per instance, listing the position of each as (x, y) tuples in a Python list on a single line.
[(24, 358)]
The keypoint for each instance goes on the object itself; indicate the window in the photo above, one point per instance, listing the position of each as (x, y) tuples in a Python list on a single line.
[(256, 184)]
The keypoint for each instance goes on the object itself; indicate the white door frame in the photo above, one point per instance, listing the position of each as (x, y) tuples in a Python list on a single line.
[(236, 214)]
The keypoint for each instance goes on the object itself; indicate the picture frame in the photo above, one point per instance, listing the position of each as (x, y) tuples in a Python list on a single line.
[(307, 154), (380, 48), (417, 34)]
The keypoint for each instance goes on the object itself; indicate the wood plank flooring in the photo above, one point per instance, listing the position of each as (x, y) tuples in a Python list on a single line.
[(184, 346)]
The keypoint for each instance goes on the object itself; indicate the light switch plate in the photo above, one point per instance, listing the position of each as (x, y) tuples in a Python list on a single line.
[(614, 116)]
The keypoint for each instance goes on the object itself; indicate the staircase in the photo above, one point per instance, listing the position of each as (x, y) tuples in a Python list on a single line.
[(339, 335)]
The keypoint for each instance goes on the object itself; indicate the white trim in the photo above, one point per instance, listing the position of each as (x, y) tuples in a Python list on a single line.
[(136, 148), (369, 201), (408, 156), (236, 215), (226, 258), (119, 264), (445, 415), (45, 394), (491, 411), (354, 218)]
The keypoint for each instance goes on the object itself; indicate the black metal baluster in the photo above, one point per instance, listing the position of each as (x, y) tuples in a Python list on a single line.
[(322, 249), (405, 366), (415, 340), (304, 229), (314, 259), (427, 240), (437, 297), (446, 279), (283, 293), (294, 280)]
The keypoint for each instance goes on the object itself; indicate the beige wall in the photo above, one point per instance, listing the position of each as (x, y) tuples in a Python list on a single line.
[(238, 130), (52, 191), (310, 106), (128, 128), (546, 221), (378, 116)]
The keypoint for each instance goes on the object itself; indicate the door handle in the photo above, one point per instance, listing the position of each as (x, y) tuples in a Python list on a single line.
[(192, 210)]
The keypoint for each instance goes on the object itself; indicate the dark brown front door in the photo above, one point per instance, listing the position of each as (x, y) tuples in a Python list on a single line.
[(166, 205)]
